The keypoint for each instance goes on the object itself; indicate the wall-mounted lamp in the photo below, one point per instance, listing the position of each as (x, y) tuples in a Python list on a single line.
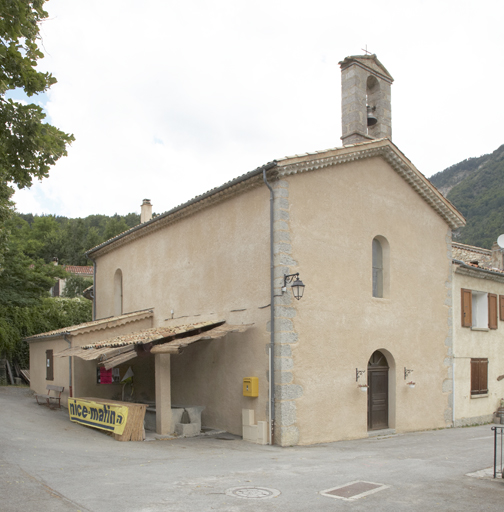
[(358, 373), (297, 285), (406, 372)]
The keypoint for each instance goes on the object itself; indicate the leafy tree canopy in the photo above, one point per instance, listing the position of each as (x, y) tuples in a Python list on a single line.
[(17, 323), (28, 145), (24, 281), (49, 236), (75, 285)]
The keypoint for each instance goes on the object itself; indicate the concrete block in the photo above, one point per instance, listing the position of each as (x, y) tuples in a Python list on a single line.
[(286, 337), (280, 192), (282, 236), (282, 311), (283, 324), (280, 184), (284, 377), (282, 247), (262, 432), (286, 413), (280, 225), (281, 203), (289, 391), (282, 298), (447, 385), (282, 350), (187, 429), (287, 436), (247, 417), (250, 433), (195, 414), (280, 215), (176, 417), (284, 364), (284, 259)]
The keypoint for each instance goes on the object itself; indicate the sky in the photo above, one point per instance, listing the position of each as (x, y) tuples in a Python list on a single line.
[(170, 98)]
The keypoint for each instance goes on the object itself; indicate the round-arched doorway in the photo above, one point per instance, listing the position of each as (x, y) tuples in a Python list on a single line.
[(378, 393)]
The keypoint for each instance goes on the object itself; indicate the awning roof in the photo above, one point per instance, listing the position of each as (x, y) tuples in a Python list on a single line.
[(120, 349), (176, 346)]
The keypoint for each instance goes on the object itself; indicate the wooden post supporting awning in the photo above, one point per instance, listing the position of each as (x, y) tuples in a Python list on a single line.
[(157, 340)]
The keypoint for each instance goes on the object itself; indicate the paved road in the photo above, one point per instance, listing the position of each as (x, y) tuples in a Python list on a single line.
[(48, 464)]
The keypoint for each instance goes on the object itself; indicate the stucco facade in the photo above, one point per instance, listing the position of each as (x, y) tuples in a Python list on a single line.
[(477, 343)]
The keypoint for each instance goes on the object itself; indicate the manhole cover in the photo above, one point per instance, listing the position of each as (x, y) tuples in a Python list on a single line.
[(353, 490), (253, 493)]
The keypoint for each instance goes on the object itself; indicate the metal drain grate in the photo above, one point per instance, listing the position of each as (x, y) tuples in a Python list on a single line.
[(353, 490), (253, 493)]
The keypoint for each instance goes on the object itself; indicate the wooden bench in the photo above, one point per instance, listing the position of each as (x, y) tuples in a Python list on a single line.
[(52, 401)]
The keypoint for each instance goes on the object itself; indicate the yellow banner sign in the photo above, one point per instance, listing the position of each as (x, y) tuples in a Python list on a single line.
[(104, 416)]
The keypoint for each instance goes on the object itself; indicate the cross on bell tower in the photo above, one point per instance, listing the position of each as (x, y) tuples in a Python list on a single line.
[(366, 112)]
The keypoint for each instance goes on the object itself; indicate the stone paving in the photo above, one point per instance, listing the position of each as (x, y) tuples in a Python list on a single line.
[(48, 464)]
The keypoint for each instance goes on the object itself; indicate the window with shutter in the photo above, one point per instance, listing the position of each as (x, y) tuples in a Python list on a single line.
[(466, 308), (49, 365), (492, 311), (479, 376), (501, 307)]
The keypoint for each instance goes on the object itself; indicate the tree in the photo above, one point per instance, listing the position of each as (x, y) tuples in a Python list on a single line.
[(23, 281), (28, 145), (17, 323), (75, 285)]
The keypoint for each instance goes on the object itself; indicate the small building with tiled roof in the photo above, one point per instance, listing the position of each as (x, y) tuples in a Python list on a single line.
[(84, 271)]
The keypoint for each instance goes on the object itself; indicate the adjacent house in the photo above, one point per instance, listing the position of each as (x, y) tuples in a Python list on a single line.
[(367, 349), (478, 321)]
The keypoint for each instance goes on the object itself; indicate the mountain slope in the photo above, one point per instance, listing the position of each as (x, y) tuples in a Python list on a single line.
[(476, 188)]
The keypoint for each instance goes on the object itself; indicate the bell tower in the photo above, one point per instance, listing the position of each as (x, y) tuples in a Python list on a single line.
[(366, 112)]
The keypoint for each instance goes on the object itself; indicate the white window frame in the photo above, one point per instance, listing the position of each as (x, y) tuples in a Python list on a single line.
[(479, 310)]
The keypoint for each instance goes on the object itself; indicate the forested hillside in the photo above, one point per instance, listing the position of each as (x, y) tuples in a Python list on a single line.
[(26, 274), (49, 236), (476, 188)]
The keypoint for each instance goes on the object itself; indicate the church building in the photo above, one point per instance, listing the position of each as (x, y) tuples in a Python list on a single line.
[(307, 301)]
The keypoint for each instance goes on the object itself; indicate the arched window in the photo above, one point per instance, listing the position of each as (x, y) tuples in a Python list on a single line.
[(380, 257), (118, 293)]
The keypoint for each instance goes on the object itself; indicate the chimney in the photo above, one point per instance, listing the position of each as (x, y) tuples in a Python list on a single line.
[(497, 256), (365, 99), (146, 212)]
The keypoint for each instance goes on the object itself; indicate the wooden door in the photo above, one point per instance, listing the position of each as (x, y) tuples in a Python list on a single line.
[(377, 392)]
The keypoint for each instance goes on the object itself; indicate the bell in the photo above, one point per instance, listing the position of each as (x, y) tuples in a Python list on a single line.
[(371, 118)]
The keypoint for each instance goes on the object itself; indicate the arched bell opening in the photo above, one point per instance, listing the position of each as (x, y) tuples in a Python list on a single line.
[(372, 103)]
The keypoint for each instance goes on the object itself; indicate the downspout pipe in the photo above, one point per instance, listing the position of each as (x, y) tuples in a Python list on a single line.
[(267, 167), (69, 367), (94, 286)]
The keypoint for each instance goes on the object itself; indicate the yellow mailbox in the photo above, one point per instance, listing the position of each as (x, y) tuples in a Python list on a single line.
[(251, 386)]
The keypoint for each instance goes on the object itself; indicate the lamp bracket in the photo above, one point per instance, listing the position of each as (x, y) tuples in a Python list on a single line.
[(358, 373), (406, 372), (289, 278)]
